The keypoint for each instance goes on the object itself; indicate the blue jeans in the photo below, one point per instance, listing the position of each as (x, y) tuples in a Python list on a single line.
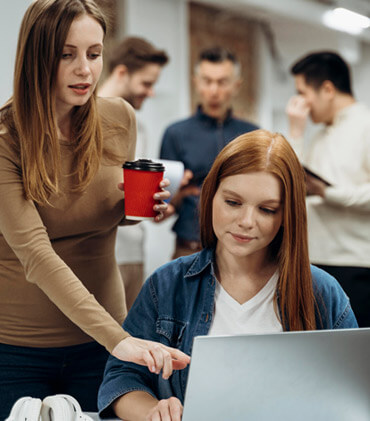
[(40, 372)]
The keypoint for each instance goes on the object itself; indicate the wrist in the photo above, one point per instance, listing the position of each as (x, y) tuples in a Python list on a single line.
[(296, 132)]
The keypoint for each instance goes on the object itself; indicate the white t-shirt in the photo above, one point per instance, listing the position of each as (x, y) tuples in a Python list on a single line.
[(256, 315)]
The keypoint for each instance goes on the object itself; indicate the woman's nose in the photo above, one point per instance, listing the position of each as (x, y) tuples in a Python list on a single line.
[(82, 67), (247, 217)]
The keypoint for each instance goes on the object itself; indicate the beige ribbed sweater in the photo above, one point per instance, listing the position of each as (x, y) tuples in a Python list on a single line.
[(59, 281)]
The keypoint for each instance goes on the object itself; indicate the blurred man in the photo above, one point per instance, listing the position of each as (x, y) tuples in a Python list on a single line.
[(338, 210), (134, 68), (197, 140)]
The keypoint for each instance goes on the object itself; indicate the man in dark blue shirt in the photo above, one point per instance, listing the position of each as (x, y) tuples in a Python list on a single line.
[(197, 140)]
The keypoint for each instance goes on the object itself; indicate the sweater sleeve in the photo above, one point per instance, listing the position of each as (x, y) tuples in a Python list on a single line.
[(25, 233), (352, 191), (356, 198)]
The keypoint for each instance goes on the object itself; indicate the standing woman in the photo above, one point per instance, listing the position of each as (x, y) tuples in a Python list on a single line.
[(61, 150), (252, 276)]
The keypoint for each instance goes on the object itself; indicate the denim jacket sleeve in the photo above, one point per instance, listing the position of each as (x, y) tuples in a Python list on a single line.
[(121, 377), (333, 306)]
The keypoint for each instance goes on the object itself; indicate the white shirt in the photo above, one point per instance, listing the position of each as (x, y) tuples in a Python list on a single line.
[(339, 223), (256, 315)]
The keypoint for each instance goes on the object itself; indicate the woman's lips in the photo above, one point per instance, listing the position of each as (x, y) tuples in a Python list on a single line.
[(242, 238), (80, 88)]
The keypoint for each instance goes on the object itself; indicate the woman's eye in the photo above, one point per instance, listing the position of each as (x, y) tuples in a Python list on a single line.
[(94, 56), (232, 203), (66, 55), (268, 211)]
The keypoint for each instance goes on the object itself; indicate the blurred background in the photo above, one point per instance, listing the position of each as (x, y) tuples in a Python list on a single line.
[(267, 36)]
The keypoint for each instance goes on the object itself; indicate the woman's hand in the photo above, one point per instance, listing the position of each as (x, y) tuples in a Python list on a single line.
[(166, 410), (154, 355), (161, 207), (185, 190), (160, 196)]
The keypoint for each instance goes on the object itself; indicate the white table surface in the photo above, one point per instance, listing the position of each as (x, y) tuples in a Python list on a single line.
[(95, 417)]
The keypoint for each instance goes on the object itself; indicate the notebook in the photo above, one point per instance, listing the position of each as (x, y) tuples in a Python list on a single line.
[(313, 375)]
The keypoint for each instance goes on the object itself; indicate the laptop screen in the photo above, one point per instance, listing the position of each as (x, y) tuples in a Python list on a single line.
[(312, 375)]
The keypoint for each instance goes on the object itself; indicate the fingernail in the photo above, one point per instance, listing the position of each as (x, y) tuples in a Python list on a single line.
[(157, 196)]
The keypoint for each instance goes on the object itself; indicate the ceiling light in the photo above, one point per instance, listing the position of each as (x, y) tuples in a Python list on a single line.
[(346, 20)]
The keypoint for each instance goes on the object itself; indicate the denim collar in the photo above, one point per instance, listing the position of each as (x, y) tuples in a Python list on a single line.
[(202, 261)]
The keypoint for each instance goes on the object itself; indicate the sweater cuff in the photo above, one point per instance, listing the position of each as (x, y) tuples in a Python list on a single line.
[(115, 338), (334, 196)]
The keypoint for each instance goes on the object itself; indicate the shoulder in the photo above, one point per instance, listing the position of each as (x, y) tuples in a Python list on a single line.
[(184, 272), (361, 109), (357, 115), (116, 109), (162, 290), (180, 125), (118, 124), (324, 284), (332, 302), (171, 274), (9, 147)]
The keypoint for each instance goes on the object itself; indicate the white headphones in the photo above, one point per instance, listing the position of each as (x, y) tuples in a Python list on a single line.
[(52, 408), (26, 408)]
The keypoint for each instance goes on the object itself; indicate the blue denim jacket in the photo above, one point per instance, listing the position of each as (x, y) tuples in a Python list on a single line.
[(175, 304), (196, 141)]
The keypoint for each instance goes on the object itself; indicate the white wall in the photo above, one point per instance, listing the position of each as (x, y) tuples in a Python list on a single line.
[(11, 13)]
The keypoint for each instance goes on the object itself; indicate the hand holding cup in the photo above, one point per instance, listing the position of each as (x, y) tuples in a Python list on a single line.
[(143, 186)]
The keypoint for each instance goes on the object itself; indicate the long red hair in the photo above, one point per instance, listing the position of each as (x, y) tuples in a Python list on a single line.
[(261, 150)]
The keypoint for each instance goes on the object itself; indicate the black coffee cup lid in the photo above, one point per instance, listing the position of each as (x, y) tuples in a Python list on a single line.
[(144, 165)]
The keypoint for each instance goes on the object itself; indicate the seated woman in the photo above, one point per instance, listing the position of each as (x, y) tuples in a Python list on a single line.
[(253, 275)]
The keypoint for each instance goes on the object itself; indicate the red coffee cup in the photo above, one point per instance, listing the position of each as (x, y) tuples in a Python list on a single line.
[(141, 180)]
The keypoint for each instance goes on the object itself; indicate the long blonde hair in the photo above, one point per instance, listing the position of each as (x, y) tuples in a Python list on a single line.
[(30, 115), (261, 150)]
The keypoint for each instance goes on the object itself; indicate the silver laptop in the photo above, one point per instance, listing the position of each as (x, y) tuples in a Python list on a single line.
[(300, 376)]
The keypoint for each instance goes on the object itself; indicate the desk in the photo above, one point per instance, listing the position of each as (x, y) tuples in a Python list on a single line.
[(95, 417)]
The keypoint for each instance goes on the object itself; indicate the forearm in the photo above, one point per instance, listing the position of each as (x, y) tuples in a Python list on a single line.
[(356, 198), (134, 406)]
